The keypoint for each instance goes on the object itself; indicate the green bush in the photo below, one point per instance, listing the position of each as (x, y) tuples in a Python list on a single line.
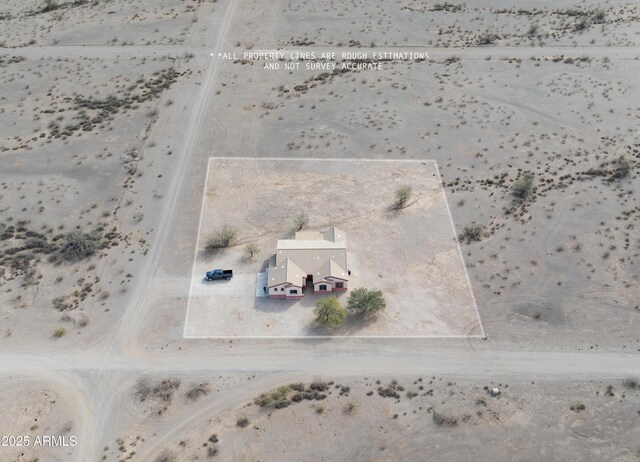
[(329, 313), (365, 302)]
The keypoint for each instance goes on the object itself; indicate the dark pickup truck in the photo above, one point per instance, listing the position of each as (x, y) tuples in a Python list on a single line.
[(217, 274)]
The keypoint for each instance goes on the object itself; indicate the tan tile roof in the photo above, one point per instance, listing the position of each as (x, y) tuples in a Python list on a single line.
[(320, 254)]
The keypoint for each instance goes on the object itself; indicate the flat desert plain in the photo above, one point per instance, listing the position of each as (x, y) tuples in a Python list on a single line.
[(109, 114)]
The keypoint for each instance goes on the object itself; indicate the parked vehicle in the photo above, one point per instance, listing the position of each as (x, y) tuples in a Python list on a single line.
[(217, 274)]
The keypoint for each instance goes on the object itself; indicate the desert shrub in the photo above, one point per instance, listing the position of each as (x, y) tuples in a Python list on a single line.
[(59, 332), (402, 196), (577, 407), (486, 38), (212, 451), (50, 5), (166, 456), (242, 422), (329, 313), (471, 233), (598, 16), (365, 302), (620, 169), (78, 246), (221, 238), (533, 30), (444, 420), (319, 409), (250, 250), (319, 385), (582, 24), (523, 187), (275, 399), (350, 407), (301, 220), (162, 390), (197, 391), (631, 383)]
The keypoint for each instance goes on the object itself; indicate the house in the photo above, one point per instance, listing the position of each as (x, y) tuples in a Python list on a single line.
[(312, 261)]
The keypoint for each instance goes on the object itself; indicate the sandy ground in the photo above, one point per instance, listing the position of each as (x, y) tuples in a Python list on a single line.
[(555, 276), (438, 418), (410, 254)]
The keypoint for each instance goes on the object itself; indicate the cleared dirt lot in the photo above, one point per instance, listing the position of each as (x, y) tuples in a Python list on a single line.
[(410, 254)]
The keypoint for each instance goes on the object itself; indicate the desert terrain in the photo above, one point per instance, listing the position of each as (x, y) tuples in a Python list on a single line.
[(109, 114)]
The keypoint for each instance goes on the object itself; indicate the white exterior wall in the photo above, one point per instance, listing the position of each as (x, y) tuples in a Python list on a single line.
[(317, 285), (276, 290), (295, 291), (345, 283)]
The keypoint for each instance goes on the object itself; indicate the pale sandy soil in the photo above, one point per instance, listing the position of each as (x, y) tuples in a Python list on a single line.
[(35, 411), (411, 254), (119, 22), (527, 421)]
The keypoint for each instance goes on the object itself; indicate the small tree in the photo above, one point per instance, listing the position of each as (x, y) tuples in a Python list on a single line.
[(402, 196), (301, 220), (365, 302), (221, 238), (250, 250), (329, 313)]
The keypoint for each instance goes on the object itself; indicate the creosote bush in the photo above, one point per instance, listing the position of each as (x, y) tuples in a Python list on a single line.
[(301, 220), (471, 233), (221, 238), (242, 422), (251, 250), (78, 246), (59, 332), (523, 187), (402, 196)]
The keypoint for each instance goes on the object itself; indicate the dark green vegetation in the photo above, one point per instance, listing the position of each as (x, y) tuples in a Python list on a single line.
[(365, 302)]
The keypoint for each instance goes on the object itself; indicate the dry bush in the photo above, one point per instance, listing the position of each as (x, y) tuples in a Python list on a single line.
[(402, 196), (444, 420), (59, 332), (472, 233), (250, 250), (221, 238), (197, 391), (162, 390), (242, 422), (523, 187), (301, 220), (78, 246)]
